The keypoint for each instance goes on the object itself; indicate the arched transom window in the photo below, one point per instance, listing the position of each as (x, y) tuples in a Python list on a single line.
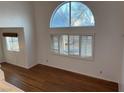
[(72, 14)]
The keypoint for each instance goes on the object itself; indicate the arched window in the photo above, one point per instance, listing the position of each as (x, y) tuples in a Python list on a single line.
[(72, 14)]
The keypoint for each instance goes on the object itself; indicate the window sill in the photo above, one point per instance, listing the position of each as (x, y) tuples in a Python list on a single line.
[(13, 51), (74, 57)]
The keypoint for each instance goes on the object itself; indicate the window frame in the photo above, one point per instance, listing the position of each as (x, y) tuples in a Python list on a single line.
[(54, 11), (75, 56)]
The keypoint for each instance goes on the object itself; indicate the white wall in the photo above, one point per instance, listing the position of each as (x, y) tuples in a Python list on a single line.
[(20, 14), (108, 40), (120, 23), (121, 88), (1, 50)]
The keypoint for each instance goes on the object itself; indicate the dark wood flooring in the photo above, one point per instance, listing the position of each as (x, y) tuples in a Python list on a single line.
[(47, 79)]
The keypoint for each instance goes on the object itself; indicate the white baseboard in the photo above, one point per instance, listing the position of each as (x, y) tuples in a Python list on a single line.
[(121, 87), (32, 65)]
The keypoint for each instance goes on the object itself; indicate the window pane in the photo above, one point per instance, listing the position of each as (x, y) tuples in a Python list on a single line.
[(12, 43), (15, 44), (9, 43), (61, 16), (64, 44), (81, 15), (72, 14), (86, 46), (55, 44), (73, 45)]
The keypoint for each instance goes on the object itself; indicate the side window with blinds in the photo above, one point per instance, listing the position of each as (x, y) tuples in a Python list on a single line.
[(80, 46), (12, 42)]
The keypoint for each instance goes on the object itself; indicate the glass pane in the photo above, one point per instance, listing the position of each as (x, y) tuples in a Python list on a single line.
[(9, 43), (86, 46), (15, 44), (12, 43), (61, 17), (55, 44), (73, 45), (64, 44), (81, 15)]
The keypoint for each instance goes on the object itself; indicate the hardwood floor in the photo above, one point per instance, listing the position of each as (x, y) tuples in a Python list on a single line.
[(46, 79)]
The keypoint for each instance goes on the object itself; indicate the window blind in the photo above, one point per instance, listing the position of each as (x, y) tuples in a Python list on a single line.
[(10, 34)]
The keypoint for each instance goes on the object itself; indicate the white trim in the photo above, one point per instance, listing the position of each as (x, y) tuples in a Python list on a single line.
[(2, 60), (32, 65), (75, 57)]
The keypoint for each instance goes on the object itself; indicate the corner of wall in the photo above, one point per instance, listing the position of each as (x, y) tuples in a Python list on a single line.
[(121, 87), (31, 65)]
